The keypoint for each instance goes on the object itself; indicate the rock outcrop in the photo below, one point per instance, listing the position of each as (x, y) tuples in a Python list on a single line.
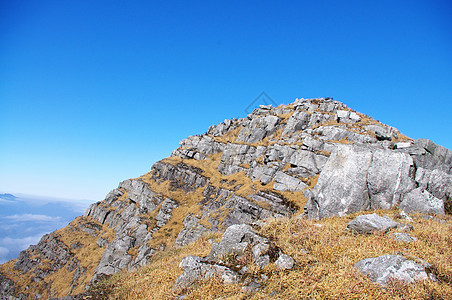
[(314, 155)]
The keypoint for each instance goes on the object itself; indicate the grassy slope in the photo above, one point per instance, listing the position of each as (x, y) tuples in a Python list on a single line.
[(324, 272)]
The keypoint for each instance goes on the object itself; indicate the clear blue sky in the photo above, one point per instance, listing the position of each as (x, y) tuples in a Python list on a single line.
[(94, 92)]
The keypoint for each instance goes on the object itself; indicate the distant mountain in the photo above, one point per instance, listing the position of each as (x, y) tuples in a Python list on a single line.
[(261, 201)]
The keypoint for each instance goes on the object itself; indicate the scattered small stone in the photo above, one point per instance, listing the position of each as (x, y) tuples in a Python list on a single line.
[(252, 287), (284, 262), (371, 223), (404, 215), (403, 237)]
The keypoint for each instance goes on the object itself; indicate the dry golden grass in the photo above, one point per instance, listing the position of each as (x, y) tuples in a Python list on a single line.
[(325, 272), (155, 280)]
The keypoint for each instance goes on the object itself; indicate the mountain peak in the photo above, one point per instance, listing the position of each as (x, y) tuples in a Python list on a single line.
[(305, 162)]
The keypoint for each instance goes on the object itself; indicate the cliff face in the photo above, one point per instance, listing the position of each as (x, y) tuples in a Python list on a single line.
[(315, 157)]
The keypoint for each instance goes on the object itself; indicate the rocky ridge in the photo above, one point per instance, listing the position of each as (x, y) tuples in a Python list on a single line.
[(314, 157)]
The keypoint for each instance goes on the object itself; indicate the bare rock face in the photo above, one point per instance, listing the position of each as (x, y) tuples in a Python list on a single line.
[(362, 177), (383, 268)]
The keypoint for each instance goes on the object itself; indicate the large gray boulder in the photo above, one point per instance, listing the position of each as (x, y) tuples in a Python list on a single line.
[(360, 177), (381, 269), (371, 223), (342, 185)]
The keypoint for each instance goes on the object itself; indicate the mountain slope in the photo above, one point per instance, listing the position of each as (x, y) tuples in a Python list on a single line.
[(316, 157)]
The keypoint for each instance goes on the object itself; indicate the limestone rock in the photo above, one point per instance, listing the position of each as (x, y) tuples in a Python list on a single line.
[(403, 237), (360, 177), (278, 203), (284, 262), (419, 200), (235, 240), (191, 232), (197, 268), (298, 121), (381, 269), (258, 129), (284, 182), (371, 223)]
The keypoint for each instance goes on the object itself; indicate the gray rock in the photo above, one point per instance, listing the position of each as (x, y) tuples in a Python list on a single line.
[(401, 145), (312, 144), (260, 250), (165, 212), (242, 211), (308, 160), (342, 186), (139, 192), (181, 176), (8, 290), (403, 237), (197, 268), (258, 129), (437, 182), (278, 203), (371, 223), (337, 133), (265, 173), (191, 232), (144, 254), (381, 269), (298, 121), (419, 200), (343, 114), (284, 182), (252, 287), (389, 178), (235, 240), (199, 146), (428, 155), (354, 117), (360, 177), (284, 262), (382, 132), (234, 156)]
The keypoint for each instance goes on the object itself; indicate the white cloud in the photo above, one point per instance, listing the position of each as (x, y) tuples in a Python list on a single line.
[(21, 243), (32, 218), (3, 254)]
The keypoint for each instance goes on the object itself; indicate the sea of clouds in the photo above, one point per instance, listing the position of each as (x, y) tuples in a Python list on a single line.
[(24, 219)]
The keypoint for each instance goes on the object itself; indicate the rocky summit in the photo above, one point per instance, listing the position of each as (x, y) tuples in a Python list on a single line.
[(248, 204)]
